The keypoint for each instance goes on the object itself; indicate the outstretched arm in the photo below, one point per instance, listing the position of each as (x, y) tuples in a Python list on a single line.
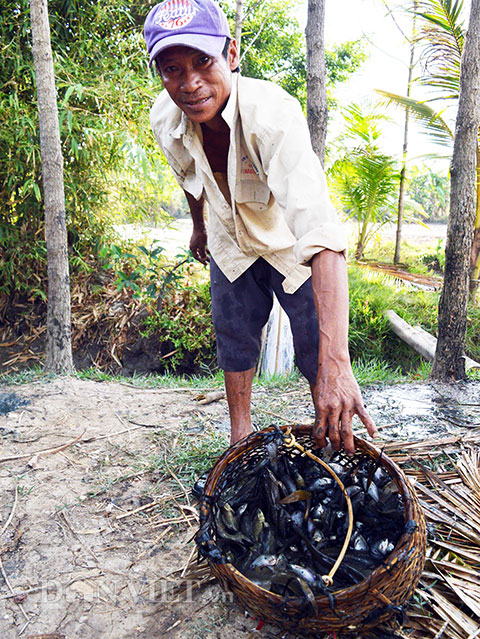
[(336, 394), (198, 240)]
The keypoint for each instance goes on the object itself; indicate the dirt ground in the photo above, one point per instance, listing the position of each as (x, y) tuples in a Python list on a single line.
[(86, 564), (95, 526)]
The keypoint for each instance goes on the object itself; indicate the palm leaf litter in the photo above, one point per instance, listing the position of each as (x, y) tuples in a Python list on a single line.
[(446, 475)]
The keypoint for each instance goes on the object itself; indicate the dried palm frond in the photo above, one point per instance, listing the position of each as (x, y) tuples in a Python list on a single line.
[(459, 622)]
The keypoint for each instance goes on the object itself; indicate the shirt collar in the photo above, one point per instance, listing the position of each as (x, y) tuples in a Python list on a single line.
[(182, 126), (230, 110)]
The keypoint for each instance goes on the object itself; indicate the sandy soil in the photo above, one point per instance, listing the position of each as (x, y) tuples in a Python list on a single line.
[(94, 529), (82, 562)]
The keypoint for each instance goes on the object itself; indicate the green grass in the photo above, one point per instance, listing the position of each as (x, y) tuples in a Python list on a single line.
[(373, 371), (378, 354), (370, 336), (411, 256), (153, 380), (192, 455), (25, 376)]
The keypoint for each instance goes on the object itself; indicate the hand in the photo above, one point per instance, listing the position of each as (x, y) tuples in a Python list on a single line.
[(337, 398), (198, 246)]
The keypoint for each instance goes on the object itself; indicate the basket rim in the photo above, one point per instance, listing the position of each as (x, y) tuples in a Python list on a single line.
[(255, 439)]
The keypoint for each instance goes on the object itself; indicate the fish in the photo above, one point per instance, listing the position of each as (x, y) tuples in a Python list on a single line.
[(282, 521), (381, 548), (229, 518), (318, 513), (287, 581), (305, 573), (321, 483), (267, 542), (358, 542), (258, 523), (297, 495), (232, 536)]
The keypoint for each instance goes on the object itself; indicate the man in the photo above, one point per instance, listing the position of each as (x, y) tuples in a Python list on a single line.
[(242, 147)]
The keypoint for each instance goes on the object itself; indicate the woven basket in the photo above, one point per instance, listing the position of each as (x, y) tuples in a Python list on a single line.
[(374, 600)]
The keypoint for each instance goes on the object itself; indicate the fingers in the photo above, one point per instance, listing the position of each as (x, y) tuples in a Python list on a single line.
[(200, 255), (328, 424), (347, 433), (337, 426), (320, 429), (368, 422), (334, 430), (198, 246)]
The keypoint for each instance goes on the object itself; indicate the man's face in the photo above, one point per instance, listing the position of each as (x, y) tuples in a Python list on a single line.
[(199, 84)]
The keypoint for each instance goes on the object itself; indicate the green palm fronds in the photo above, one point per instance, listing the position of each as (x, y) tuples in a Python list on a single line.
[(363, 178), (432, 121), (443, 33)]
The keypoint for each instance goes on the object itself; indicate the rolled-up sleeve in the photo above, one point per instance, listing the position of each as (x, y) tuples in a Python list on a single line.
[(298, 184)]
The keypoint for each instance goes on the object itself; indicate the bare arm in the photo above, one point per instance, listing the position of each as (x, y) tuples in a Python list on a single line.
[(198, 240), (336, 394)]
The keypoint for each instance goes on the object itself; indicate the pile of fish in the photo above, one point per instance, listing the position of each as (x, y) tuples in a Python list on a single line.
[(282, 521)]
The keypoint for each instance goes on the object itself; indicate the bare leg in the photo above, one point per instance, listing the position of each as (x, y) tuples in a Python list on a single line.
[(312, 391), (238, 387)]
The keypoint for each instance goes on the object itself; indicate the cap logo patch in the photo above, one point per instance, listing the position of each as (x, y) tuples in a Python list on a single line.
[(175, 14)]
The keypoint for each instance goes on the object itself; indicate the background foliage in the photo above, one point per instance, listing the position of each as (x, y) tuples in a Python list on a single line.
[(370, 338), (431, 190), (273, 48), (112, 167), (103, 85)]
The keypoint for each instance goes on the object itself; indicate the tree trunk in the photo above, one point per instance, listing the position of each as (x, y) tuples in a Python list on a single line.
[(449, 363), (403, 172), (58, 355), (238, 22), (475, 259), (418, 338), (317, 111), (362, 237)]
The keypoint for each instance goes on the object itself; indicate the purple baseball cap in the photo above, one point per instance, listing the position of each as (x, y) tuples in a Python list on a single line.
[(200, 24)]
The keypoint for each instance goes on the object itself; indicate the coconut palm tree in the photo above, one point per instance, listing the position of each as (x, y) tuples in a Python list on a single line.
[(442, 31), (364, 179)]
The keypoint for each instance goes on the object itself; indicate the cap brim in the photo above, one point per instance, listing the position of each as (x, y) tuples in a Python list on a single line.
[(211, 45)]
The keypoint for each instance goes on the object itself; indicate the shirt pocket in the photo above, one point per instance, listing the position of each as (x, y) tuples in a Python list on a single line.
[(253, 193), (179, 158)]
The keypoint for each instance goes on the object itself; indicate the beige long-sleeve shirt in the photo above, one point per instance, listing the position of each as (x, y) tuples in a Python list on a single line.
[(282, 211)]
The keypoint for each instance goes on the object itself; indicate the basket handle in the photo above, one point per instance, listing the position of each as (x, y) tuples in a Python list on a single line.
[(291, 442)]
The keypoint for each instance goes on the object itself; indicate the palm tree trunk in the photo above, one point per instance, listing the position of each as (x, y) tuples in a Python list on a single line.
[(449, 363), (362, 238), (317, 111), (403, 172), (475, 260), (58, 355)]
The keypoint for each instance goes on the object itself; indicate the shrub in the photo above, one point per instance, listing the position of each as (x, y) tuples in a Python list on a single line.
[(184, 326)]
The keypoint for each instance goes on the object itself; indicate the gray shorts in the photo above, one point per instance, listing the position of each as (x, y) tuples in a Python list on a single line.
[(240, 310)]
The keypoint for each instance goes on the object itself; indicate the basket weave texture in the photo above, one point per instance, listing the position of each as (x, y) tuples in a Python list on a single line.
[(376, 599)]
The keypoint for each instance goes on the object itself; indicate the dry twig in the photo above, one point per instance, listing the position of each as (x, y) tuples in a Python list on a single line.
[(7, 523), (44, 451), (150, 546)]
